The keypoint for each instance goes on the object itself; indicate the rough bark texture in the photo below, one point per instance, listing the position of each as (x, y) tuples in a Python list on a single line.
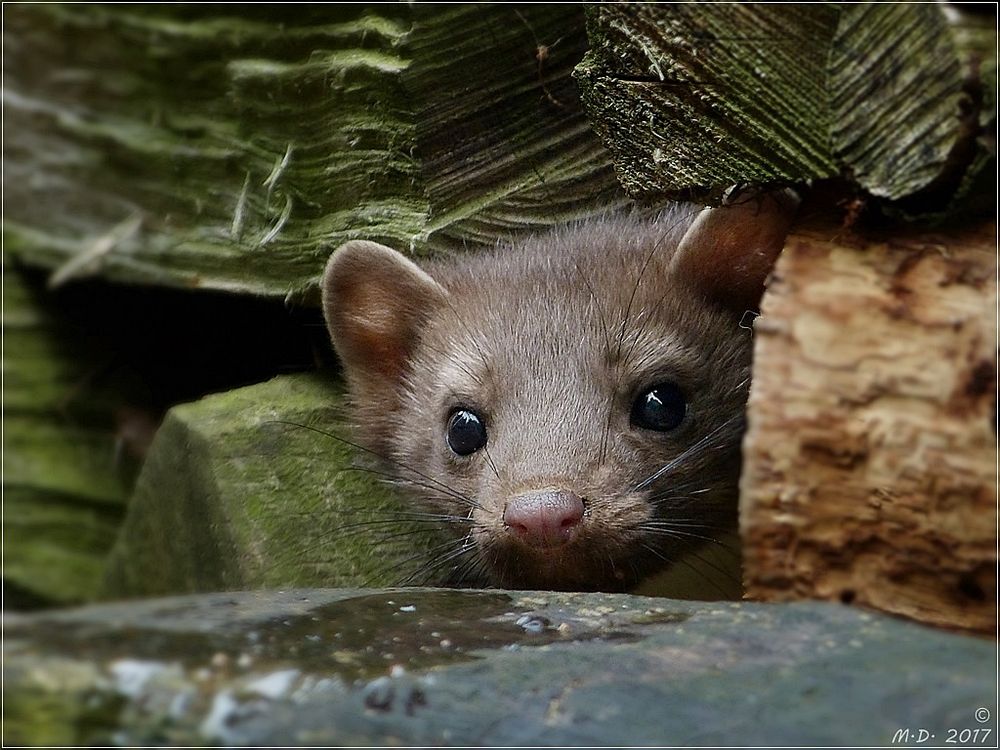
[(230, 498), (870, 460), (229, 148), (695, 99)]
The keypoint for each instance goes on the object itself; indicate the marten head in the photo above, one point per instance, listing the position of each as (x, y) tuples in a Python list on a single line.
[(572, 406)]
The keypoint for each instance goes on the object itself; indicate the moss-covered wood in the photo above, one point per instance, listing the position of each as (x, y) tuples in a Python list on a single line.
[(232, 496), (898, 98), (64, 470), (233, 148)]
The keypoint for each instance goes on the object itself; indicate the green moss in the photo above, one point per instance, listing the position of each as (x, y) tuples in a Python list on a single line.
[(239, 492), (64, 482)]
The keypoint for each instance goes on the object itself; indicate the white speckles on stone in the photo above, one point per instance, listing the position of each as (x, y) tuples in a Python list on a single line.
[(132, 675), (224, 708), (274, 685), (534, 627), (181, 704)]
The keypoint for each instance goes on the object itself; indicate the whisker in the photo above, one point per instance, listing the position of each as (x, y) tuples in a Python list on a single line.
[(714, 584), (686, 454), (675, 534), (405, 481), (432, 566), (727, 575), (474, 567), (489, 460), (700, 573)]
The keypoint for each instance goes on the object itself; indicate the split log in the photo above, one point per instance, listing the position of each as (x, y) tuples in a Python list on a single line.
[(235, 495), (870, 459), (901, 99)]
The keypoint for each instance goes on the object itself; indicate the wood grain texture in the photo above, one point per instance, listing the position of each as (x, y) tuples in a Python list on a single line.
[(896, 95), (64, 477), (250, 144), (692, 99), (870, 458)]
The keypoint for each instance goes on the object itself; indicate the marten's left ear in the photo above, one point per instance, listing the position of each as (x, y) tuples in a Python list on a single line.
[(374, 301), (728, 251)]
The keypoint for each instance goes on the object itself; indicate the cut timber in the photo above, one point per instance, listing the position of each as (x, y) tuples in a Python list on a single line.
[(870, 458), (230, 498), (232, 148), (692, 98)]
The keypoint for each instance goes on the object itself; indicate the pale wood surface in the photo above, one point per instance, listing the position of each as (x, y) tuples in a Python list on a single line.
[(870, 459)]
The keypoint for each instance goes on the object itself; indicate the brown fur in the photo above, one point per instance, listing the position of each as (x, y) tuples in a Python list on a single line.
[(550, 342)]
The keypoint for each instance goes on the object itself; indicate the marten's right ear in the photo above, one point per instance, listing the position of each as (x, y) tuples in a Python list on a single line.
[(374, 300), (728, 251)]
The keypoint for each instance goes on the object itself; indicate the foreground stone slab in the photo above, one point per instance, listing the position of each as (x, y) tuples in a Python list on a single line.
[(435, 666)]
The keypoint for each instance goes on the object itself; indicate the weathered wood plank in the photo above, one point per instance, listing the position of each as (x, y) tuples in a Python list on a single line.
[(64, 483), (246, 146), (870, 459)]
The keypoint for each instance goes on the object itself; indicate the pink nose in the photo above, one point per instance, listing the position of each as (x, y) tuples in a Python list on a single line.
[(544, 519)]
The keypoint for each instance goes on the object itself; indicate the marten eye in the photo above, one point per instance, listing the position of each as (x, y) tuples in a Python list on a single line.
[(659, 408), (466, 432)]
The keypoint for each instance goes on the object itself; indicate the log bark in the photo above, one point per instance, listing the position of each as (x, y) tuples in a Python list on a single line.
[(899, 99), (870, 458)]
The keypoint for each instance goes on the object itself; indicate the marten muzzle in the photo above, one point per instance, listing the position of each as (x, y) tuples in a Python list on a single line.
[(544, 519)]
